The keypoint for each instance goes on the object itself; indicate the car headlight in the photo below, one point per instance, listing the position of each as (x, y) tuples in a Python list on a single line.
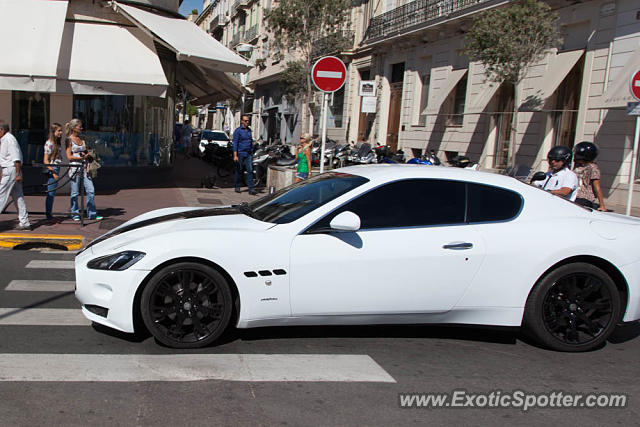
[(120, 261)]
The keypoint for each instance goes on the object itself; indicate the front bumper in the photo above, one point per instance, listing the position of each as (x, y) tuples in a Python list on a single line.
[(112, 290)]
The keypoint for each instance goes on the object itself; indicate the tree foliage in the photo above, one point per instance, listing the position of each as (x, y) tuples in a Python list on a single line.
[(296, 25), (507, 40)]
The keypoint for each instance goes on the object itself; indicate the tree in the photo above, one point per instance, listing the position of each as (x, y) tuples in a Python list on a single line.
[(298, 24), (507, 41)]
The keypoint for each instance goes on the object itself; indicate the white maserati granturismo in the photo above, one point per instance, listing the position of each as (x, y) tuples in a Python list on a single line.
[(378, 244)]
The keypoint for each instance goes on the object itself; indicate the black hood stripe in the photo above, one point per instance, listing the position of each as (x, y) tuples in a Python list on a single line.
[(196, 213)]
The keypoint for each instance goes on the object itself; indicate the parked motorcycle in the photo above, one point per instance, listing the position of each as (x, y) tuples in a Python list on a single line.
[(363, 155)]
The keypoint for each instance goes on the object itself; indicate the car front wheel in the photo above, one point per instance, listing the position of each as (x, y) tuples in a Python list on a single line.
[(186, 305), (573, 308)]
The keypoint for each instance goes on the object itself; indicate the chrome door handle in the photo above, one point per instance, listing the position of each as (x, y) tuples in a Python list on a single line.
[(457, 246)]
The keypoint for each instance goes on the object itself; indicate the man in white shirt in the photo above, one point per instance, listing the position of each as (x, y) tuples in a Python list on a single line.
[(561, 180), (11, 175)]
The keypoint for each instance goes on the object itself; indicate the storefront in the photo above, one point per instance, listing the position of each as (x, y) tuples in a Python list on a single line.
[(118, 66)]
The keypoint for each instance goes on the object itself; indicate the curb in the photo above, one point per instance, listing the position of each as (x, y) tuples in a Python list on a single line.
[(70, 242)]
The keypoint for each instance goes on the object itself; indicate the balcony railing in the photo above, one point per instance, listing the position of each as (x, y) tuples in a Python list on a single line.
[(239, 3), (250, 34), (333, 43), (414, 13), (244, 36), (237, 37)]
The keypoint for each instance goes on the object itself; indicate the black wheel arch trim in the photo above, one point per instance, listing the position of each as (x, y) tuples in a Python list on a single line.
[(138, 323), (618, 278)]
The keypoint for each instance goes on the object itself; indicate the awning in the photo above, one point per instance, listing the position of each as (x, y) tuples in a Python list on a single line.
[(543, 87), (618, 92), (189, 42), (483, 97), (30, 36), (439, 95), (104, 59)]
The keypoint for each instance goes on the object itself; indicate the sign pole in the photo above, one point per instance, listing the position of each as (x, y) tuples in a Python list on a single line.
[(325, 107), (632, 172), (328, 74)]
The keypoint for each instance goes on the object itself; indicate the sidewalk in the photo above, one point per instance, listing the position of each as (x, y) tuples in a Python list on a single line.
[(122, 194)]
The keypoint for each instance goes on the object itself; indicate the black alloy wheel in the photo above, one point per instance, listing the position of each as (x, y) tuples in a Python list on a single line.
[(186, 305), (573, 308)]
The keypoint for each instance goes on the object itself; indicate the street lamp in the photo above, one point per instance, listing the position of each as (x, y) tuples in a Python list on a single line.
[(244, 50)]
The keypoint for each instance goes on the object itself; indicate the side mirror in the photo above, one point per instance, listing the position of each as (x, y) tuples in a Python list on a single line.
[(538, 176), (346, 221)]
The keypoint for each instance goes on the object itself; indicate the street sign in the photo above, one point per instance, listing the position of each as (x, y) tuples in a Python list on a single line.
[(635, 85), (633, 108), (329, 74)]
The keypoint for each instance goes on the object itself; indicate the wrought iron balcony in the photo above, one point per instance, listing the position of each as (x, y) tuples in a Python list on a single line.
[(414, 13), (237, 37), (239, 3), (333, 43), (250, 34)]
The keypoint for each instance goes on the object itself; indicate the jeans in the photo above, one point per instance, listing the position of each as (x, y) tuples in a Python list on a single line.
[(51, 191), (89, 190), (245, 161)]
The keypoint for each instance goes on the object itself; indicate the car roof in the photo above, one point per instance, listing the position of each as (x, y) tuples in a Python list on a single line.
[(402, 171)]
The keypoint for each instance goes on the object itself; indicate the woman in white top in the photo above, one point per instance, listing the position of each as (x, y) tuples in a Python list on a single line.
[(76, 153), (52, 157)]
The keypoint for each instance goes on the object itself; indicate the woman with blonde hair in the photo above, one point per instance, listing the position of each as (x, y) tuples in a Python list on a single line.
[(77, 153), (304, 158), (52, 157)]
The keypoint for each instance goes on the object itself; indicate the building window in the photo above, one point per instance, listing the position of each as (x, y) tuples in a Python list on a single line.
[(125, 130), (337, 107), (397, 72), (565, 116), (456, 117), (31, 123), (424, 99)]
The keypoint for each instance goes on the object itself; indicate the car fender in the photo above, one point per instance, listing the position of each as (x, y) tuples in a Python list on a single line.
[(256, 262)]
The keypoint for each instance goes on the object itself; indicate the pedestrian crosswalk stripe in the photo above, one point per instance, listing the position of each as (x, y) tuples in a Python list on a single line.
[(41, 263), (191, 367), (43, 317), (41, 285)]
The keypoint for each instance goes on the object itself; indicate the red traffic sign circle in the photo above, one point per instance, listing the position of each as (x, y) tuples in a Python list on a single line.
[(635, 85), (329, 74)]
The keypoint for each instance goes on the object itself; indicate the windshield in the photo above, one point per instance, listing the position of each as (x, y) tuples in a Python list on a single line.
[(217, 136), (299, 199)]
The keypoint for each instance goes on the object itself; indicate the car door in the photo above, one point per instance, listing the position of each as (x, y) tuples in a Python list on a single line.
[(413, 253)]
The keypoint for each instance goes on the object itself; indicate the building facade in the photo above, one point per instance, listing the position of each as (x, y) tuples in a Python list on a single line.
[(430, 96), (117, 66)]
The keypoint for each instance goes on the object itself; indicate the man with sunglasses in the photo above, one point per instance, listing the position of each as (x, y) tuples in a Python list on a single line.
[(242, 153), (560, 181)]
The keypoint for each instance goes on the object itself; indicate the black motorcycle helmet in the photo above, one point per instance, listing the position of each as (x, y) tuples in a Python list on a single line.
[(560, 152), (460, 161), (586, 151)]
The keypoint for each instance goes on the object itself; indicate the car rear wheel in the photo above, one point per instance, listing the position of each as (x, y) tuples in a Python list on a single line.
[(573, 308), (186, 305)]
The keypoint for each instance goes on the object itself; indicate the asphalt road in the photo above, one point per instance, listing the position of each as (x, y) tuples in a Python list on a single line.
[(78, 388)]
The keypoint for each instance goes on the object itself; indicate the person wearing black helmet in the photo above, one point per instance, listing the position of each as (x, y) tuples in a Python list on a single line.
[(560, 181), (589, 191)]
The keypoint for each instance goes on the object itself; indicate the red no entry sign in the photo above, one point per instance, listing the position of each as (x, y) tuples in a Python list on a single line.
[(328, 74), (635, 85)]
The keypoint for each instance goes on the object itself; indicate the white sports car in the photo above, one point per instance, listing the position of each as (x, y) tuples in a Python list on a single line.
[(375, 244)]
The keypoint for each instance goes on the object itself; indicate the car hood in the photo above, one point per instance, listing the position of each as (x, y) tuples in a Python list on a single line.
[(183, 218)]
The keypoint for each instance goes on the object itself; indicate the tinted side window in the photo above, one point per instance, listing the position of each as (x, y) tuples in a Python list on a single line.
[(488, 203), (407, 203)]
